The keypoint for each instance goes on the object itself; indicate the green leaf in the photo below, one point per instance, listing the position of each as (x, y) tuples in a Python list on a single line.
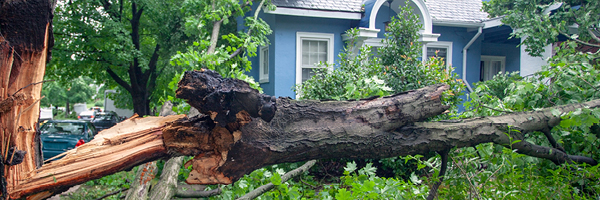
[(343, 194), (413, 178), (276, 179), (350, 167)]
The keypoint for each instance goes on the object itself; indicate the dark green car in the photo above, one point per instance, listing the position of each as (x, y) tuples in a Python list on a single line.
[(59, 136)]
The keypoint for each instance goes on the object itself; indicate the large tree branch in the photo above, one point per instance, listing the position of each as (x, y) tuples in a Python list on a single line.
[(118, 79), (149, 76), (593, 35), (134, 68), (152, 64), (108, 8), (579, 41), (214, 38), (243, 130)]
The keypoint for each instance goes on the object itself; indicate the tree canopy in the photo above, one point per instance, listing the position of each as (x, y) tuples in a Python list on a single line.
[(124, 44), (544, 22), (130, 44), (78, 90)]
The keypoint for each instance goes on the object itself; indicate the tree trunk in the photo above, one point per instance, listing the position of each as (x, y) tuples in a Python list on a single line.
[(141, 104), (243, 130), (25, 42), (67, 109)]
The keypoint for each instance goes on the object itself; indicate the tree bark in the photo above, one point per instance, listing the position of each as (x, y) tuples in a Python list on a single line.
[(25, 43), (143, 181), (243, 130), (167, 186)]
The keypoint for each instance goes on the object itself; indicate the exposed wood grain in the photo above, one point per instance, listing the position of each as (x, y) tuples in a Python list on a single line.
[(139, 141)]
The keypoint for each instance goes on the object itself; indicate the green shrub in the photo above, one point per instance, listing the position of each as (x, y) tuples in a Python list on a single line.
[(358, 76)]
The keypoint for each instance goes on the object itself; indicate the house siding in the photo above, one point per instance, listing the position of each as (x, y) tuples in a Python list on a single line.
[(459, 38), (510, 51), (283, 48), (268, 87)]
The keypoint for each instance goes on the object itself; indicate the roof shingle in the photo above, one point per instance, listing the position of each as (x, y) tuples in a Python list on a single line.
[(332, 5), (440, 10), (456, 10)]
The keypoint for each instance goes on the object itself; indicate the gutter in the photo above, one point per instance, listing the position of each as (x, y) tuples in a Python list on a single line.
[(457, 24), (464, 51)]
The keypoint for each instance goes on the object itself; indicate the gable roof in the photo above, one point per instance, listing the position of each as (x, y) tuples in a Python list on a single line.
[(440, 10), (331, 5), (456, 10)]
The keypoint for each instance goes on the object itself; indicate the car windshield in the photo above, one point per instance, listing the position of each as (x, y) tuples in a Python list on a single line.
[(68, 128), (102, 117)]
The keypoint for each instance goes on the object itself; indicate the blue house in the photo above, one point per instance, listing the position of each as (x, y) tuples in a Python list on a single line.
[(306, 32)]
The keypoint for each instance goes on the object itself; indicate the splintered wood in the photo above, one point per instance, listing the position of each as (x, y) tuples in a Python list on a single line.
[(127, 144), (210, 144)]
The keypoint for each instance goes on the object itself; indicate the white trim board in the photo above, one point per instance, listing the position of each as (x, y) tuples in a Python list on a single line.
[(315, 13), (329, 37), (263, 78), (440, 44)]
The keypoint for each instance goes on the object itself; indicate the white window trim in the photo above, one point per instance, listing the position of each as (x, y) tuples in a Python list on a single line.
[(315, 36), (439, 44), (263, 78), (502, 60)]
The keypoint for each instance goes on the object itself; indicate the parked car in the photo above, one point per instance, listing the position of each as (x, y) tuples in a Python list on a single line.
[(96, 108), (59, 136), (87, 115), (105, 120)]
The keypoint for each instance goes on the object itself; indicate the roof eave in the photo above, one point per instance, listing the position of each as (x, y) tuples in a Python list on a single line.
[(457, 24), (316, 13)]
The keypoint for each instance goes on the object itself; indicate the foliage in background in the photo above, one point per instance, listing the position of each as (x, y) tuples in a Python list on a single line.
[(571, 76), (544, 22), (400, 57), (399, 69), (123, 44), (228, 53), (77, 90)]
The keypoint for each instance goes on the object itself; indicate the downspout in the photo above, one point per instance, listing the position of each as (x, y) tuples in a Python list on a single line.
[(464, 51)]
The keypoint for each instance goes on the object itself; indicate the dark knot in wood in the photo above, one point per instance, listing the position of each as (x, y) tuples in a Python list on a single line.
[(222, 98)]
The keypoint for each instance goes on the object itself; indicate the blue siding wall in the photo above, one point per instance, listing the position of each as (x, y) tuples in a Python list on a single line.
[(383, 16), (268, 87), (459, 38), (510, 51), (284, 47)]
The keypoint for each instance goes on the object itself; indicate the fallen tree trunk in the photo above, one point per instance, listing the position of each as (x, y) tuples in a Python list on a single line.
[(243, 130)]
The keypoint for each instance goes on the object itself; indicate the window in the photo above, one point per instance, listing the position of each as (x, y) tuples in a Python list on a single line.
[(490, 66), (443, 50), (311, 49), (264, 65)]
